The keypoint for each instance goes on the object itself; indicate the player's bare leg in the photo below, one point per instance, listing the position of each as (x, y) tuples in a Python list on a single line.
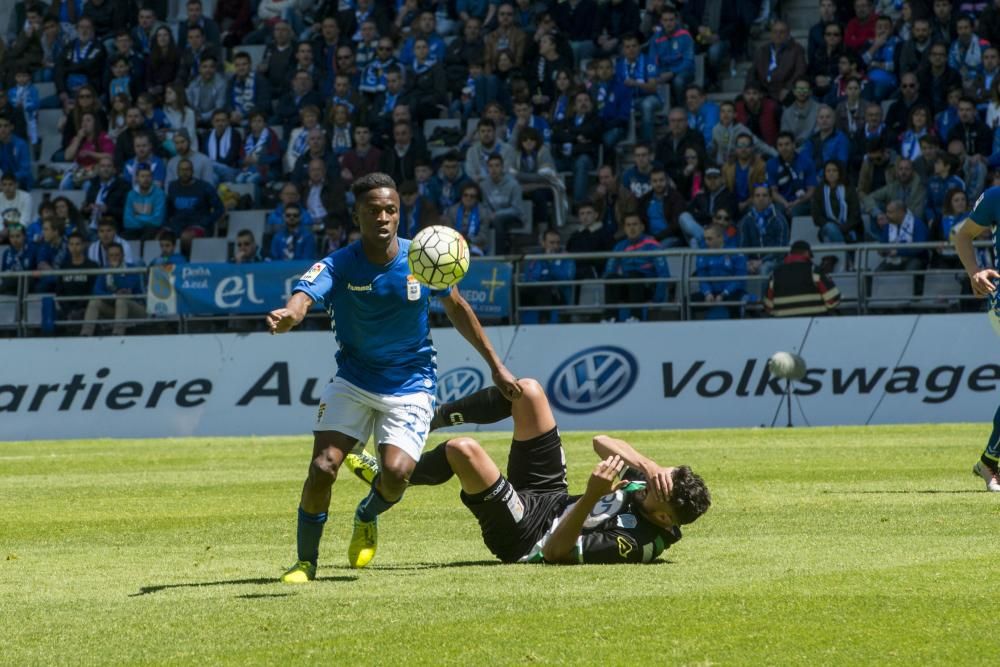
[(475, 469), (532, 414), (329, 450)]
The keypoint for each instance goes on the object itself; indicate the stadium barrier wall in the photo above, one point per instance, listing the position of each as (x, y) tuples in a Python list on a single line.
[(862, 370)]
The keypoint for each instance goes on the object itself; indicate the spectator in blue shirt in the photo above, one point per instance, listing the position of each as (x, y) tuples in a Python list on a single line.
[(733, 267), (636, 179), (792, 177), (545, 270), (880, 59), (289, 194), (523, 117), (425, 28), (193, 206), (145, 207), (168, 249), (637, 73), (636, 240), (613, 107), (15, 155), (827, 142), (294, 242), (763, 226), (902, 226), (673, 50), (18, 256), (703, 114), (111, 292), (938, 185), (144, 158)]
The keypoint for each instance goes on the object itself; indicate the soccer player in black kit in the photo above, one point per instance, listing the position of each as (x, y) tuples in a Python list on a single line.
[(631, 511)]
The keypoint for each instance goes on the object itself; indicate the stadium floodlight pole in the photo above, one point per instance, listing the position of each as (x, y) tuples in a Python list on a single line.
[(789, 367)]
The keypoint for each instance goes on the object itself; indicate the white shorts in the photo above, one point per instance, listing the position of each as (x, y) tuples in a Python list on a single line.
[(402, 421)]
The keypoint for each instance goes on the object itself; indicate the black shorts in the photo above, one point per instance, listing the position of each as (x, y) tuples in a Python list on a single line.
[(516, 511)]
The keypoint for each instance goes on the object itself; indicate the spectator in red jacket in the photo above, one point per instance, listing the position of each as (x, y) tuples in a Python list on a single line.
[(758, 114), (861, 29)]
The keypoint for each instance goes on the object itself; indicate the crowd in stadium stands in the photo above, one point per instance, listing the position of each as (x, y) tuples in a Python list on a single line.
[(882, 125)]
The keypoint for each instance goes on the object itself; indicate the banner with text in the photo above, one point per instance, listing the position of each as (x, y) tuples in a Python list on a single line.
[(866, 370), (243, 289)]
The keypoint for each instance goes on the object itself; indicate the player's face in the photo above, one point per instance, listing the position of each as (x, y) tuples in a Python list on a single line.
[(377, 216), (658, 511)]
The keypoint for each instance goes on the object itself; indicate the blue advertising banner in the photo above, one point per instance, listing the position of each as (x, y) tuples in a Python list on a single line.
[(247, 289), (486, 287)]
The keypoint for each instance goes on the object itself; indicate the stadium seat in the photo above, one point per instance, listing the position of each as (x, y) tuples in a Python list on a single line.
[(891, 290), (243, 189), (255, 51), (48, 122), (847, 283), (136, 247), (150, 251), (8, 309), (699, 69), (209, 250), (591, 295), (675, 263), (254, 220), (45, 89), (75, 196), (803, 229), (941, 290), (527, 219), (33, 308)]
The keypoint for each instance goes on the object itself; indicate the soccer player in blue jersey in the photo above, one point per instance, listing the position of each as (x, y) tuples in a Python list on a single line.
[(984, 217), (386, 369)]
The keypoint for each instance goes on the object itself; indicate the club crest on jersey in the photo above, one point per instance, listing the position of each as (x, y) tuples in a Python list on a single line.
[(313, 272), (412, 289)]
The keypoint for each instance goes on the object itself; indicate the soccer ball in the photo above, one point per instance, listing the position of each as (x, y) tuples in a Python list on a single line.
[(438, 257)]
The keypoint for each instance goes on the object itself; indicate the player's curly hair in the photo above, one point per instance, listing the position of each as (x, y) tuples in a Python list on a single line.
[(372, 181), (689, 496)]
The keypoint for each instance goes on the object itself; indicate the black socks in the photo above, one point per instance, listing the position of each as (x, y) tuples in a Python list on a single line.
[(432, 468), (486, 406)]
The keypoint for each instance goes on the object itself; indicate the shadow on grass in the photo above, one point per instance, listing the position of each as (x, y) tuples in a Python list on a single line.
[(147, 590), (258, 596), (437, 566), (925, 491)]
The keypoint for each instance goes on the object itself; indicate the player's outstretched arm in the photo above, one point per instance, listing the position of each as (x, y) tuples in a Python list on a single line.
[(560, 546), (657, 476), (465, 321), (284, 319), (982, 279)]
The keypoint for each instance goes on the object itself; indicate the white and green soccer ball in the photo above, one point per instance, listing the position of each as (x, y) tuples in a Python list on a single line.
[(438, 257)]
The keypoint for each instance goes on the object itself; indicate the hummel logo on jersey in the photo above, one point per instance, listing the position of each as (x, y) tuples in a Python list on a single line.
[(359, 288)]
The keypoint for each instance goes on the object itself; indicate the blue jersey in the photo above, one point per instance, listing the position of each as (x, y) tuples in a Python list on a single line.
[(379, 316), (986, 213)]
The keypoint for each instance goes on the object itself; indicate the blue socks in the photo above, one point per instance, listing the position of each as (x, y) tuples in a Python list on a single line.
[(309, 534), (373, 505)]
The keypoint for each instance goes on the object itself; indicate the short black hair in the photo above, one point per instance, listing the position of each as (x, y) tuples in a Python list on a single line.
[(75, 235), (8, 176), (167, 234), (689, 497), (372, 181)]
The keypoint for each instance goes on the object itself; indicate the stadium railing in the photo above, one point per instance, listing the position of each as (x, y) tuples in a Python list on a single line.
[(864, 289)]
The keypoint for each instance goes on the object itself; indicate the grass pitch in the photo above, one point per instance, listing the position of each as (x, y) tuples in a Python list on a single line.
[(823, 546)]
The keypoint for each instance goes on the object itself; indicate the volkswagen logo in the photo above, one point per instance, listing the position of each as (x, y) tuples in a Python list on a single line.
[(593, 379), (458, 383)]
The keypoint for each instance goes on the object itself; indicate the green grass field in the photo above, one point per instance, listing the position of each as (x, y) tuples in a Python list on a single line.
[(823, 547)]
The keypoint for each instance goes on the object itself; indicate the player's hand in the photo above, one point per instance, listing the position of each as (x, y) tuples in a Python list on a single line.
[(658, 478), (507, 384), (602, 480), (982, 282), (280, 321)]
